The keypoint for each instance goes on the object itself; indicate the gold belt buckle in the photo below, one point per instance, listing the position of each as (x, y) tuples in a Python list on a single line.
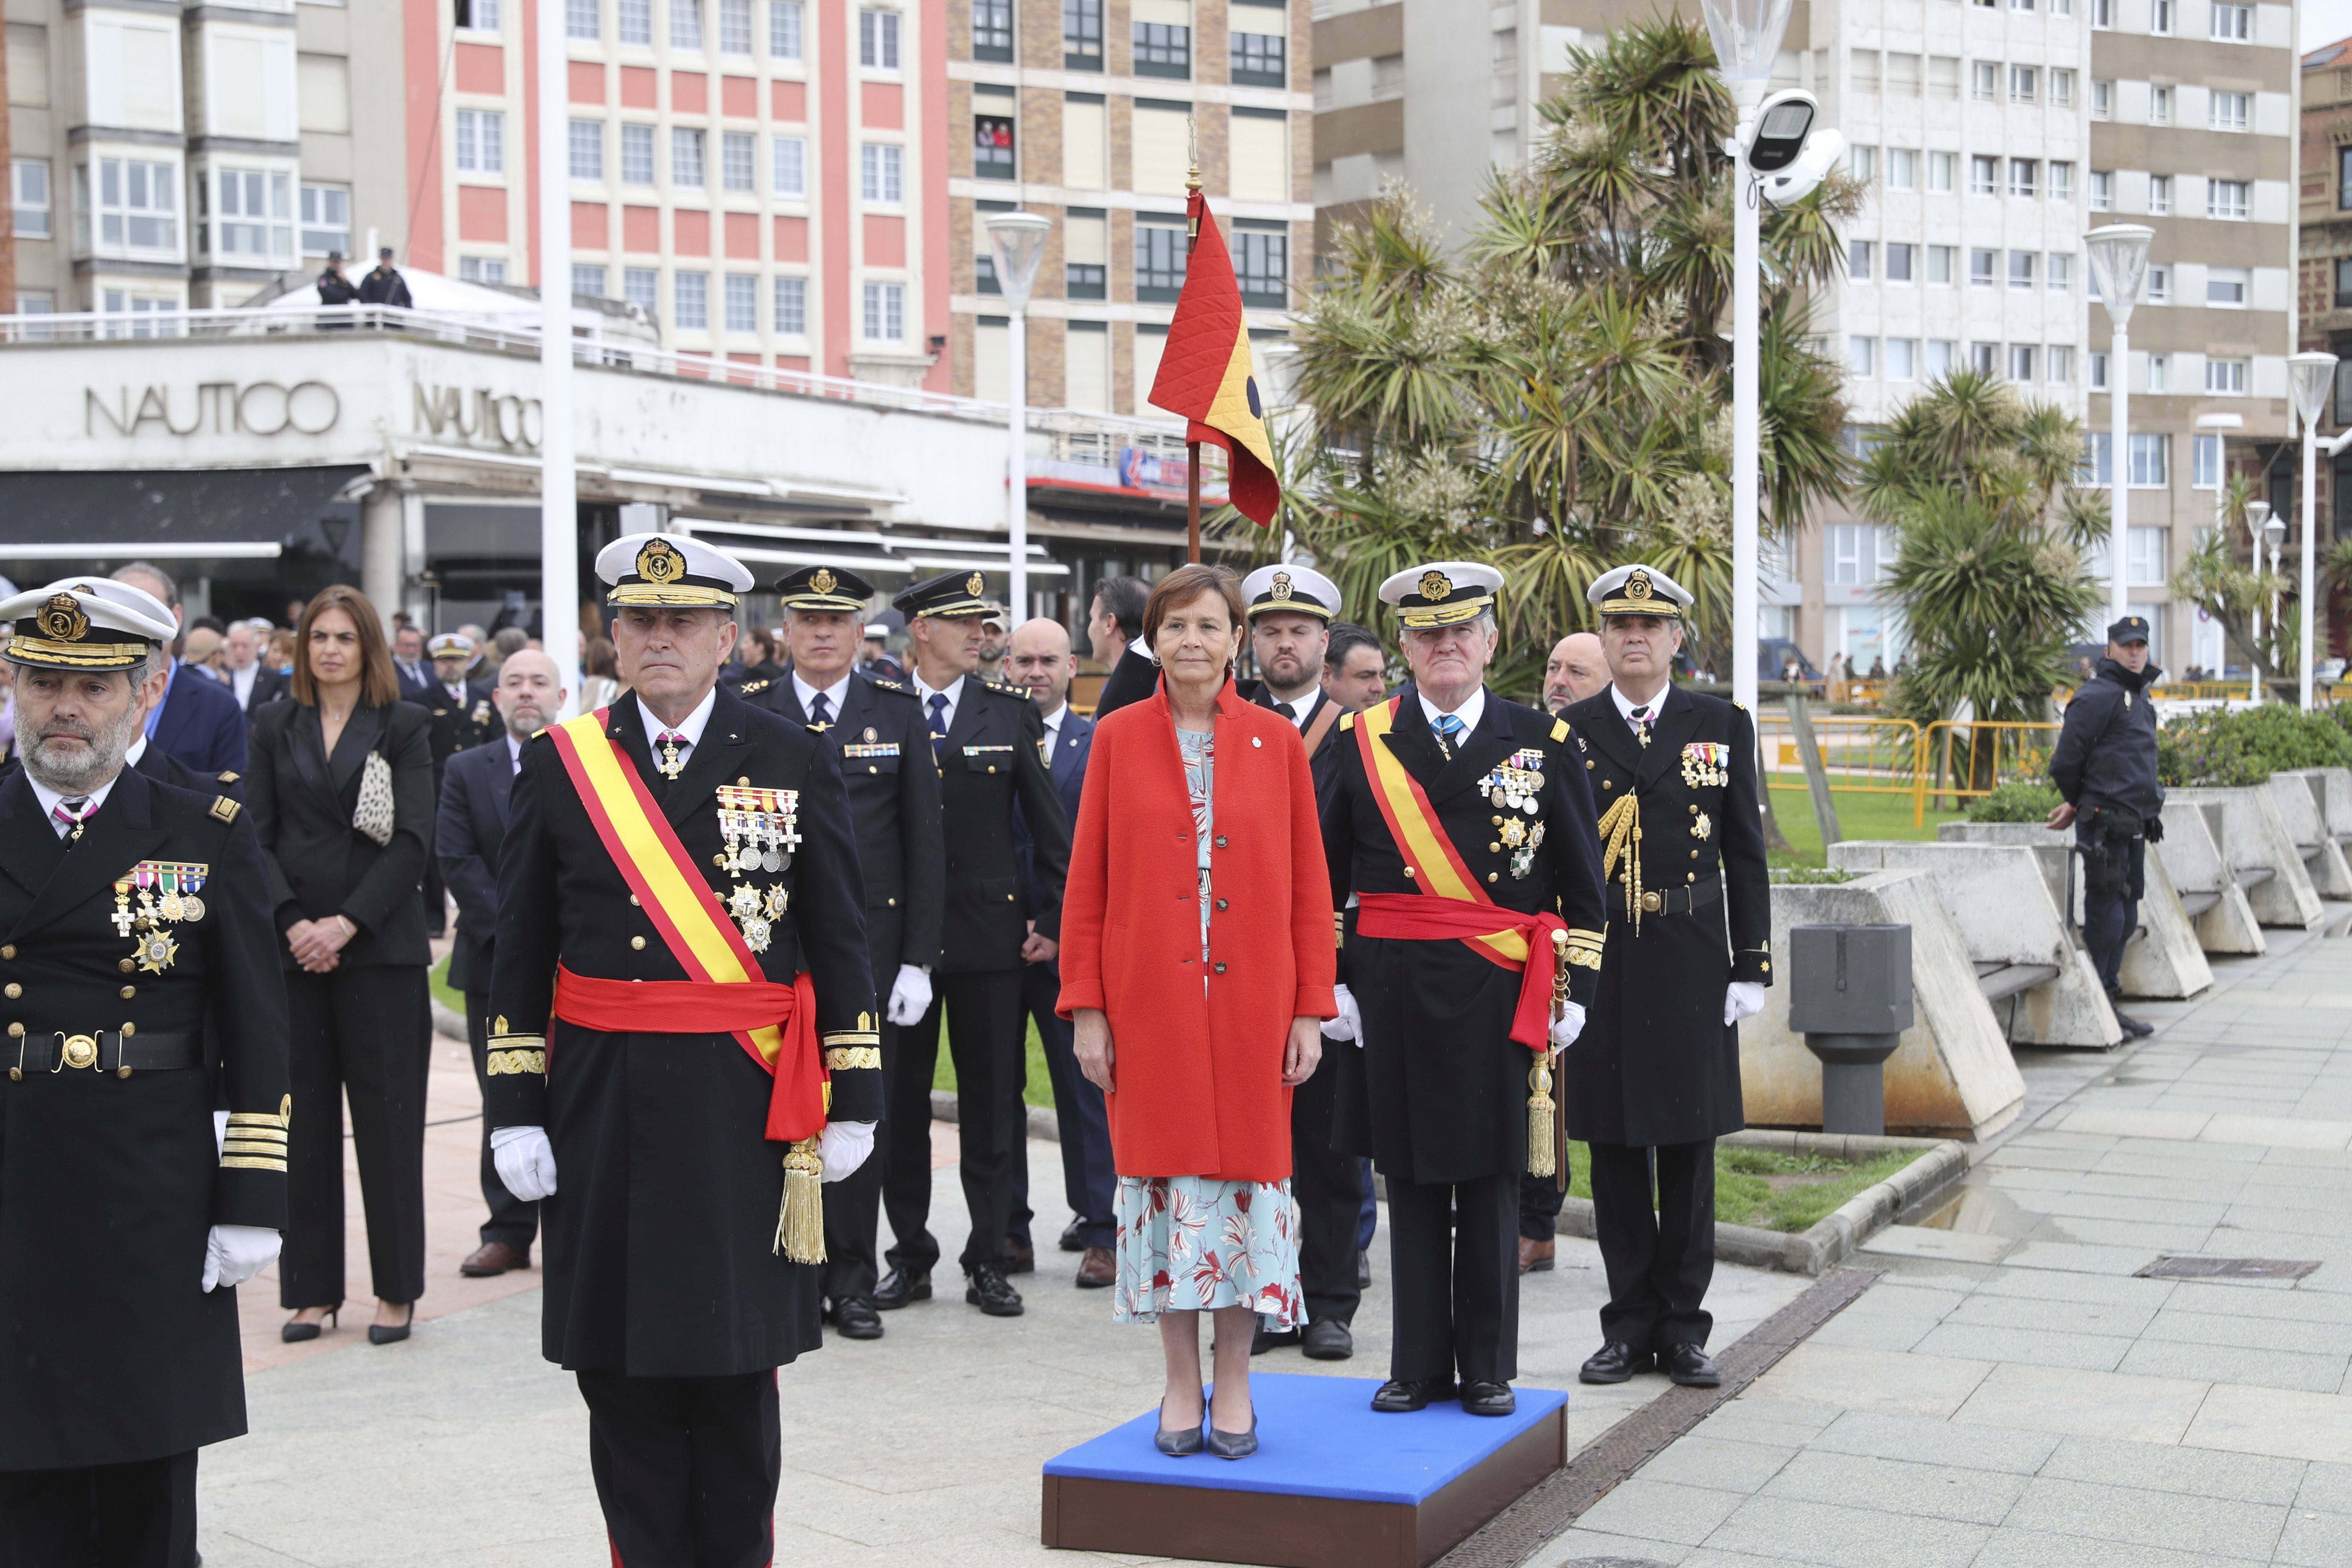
[(80, 1051), (1652, 903)]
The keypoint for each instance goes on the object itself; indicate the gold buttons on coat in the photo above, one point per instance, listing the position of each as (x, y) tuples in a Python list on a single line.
[(15, 1031), (719, 860), (744, 780), (129, 992), (1492, 875), (633, 902), (638, 943), (1409, 871), (9, 951), (125, 965), (1493, 849), (892, 902), (12, 991)]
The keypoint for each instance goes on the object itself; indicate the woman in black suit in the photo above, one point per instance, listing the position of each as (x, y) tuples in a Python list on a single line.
[(340, 788)]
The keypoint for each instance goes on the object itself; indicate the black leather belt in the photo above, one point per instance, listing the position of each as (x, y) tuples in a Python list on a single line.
[(1665, 900), (107, 1050)]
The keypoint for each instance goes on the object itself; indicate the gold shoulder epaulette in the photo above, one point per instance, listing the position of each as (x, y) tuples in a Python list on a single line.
[(1559, 729), (885, 683), (1347, 720), (750, 687), (225, 809), (229, 776), (1008, 689)]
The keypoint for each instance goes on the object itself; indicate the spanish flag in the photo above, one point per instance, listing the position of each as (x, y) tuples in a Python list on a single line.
[(1204, 372)]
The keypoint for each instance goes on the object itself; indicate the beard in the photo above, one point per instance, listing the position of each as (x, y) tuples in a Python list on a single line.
[(77, 771)]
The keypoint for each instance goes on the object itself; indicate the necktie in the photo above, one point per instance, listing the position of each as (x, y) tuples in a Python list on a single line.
[(1449, 731), (671, 765), (820, 711), (939, 726), (69, 815)]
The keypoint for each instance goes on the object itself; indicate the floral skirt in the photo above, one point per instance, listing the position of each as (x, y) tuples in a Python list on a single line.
[(1188, 1243)]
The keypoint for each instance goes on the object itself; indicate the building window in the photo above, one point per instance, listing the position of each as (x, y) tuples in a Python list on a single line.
[(1082, 35), (2024, 176), (1939, 172), (587, 148), (1163, 49), (685, 158), (254, 216), (2020, 364), (481, 142), (1262, 258), (636, 154), (1899, 262), (640, 287), (1942, 354), (2160, 284), (1984, 79), (1984, 176), (2103, 100), (1902, 359), (1086, 281), (138, 207), (2344, 178), (886, 313), (2150, 467), (28, 198), (2061, 365), (2226, 377), (1902, 169), (1939, 264), (783, 29), (1159, 259), (581, 20), (991, 29), (1854, 554), (878, 34), (2022, 265), (1861, 356), (2144, 552), (2160, 195), (792, 306), (2103, 14), (2159, 17), (2227, 110), (481, 15), (685, 24), (326, 219), (2204, 462), (1862, 163), (734, 27), (587, 280), (2061, 88), (2159, 106), (2226, 200), (2103, 190), (737, 161), (2099, 374), (2062, 181), (634, 20), (991, 147), (2226, 287), (1980, 268), (2230, 23), (481, 269), (2061, 272), (1260, 59), (2343, 283), (1984, 358), (691, 293), (743, 302), (788, 166), (1858, 256), (2024, 85), (877, 174)]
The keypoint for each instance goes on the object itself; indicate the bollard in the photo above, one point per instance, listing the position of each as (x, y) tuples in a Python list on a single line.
[(1850, 996)]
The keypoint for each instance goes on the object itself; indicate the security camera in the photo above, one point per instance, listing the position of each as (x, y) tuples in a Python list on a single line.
[(1782, 123), (1803, 177)]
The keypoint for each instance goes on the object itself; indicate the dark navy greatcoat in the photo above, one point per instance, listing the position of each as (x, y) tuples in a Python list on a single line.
[(991, 761), (660, 1237)]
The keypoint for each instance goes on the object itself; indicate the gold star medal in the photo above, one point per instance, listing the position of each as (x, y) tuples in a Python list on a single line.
[(156, 952)]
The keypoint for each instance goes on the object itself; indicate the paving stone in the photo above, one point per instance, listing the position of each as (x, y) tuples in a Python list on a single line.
[(1985, 1310), (2314, 1539), (2086, 1404), (2216, 1527), (2281, 1422), (2074, 1258), (2042, 1285), (2014, 1548), (1931, 1442), (1705, 1459), (1579, 1545), (1661, 1510), (2032, 1347), (1898, 1485), (1763, 1415), (1855, 1379), (2327, 1488), (2252, 1331), (1846, 1537), (2236, 1364), (2157, 1467)]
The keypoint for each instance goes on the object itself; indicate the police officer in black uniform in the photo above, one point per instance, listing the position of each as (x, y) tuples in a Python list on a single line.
[(464, 717), (134, 932), (875, 729), (2106, 767), (1655, 1080), (628, 1093), (985, 739), (1452, 805)]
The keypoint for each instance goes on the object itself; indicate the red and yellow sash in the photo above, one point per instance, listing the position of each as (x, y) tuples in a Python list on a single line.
[(784, 1040)]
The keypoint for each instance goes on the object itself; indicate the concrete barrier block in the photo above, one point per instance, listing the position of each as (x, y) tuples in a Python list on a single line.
[(1999, 897), (2163, 958), (1951, 1074), (2302, 802), (2254, 837), (2336, 787), (2199, 873)]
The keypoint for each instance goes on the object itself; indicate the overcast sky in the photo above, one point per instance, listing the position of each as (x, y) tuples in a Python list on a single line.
[(2325, 21)]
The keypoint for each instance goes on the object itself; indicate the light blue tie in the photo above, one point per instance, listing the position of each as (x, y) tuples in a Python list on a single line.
[(1449, 730)]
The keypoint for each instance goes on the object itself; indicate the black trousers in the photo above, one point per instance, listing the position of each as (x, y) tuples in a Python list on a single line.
[(1089, 1179), (852, 1205), (1659, 1260), (1540, 1201), (685, 1468), (1453, 1261), (360, 1031), (1329, 1188), (141, 1515), (982, 1012), (2111, 893), (512, 1220)]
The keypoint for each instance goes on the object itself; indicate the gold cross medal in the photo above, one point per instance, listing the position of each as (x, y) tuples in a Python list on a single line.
[(743, 902), (669, 767), (156, 950), (761, 826)]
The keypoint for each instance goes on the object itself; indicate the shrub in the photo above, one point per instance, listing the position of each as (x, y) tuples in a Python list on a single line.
[(2018, 800), (2245, 747)]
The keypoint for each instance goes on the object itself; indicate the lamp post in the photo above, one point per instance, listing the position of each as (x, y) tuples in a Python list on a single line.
[(2308, 376), (2258, 518), (2118, 254), (559, 501), (2219, 426), (1747, 36), (1019, 242), (2274, 535)]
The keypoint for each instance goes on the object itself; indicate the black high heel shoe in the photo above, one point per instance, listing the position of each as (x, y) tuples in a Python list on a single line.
[(1178, 1442), (1235, 1445), (296, 1331), (391, 1333)]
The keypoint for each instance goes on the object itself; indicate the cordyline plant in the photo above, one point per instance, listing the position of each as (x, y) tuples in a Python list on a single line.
[(1550, 394), (2230, 591)]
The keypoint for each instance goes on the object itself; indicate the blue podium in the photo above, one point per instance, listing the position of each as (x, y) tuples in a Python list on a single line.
[(1333, 1484)]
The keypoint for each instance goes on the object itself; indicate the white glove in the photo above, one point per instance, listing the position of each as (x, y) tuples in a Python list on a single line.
[(1349, 1023), (845, 1146), (1744, 999), (910, 996), (526, 1162), (220, 1138), (235, 1253), (1568, 1026)]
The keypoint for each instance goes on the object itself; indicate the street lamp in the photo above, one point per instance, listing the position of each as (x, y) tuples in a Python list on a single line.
[(2219, 426), (2308, 377), (2273, 535), (2258, 523), (1747, 36), (2118, 254), (1019, 241), (559, 507)]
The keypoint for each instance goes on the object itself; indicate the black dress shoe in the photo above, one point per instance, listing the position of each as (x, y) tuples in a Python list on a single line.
[(1072, 1241), (295, 1333), (1235, 1445), (391, 1333), (1488, 1398), (856, 1318), (2135, 1028), (986, 1288), (1615, 1361), (1327, 1339), (1176, 1442), (1019, 1257), (1363, 1270), (1402, 1393), (1263, 1339), (1690, 1366), (901, 1286)]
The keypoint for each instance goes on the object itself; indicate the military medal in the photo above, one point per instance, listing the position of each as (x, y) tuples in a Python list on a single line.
[(122, 917), (156, 950), (669, 767), (773, 906), (1701, 827)]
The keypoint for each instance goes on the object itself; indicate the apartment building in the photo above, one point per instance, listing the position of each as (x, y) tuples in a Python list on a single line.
[(2324, 316), (162, 157), (766, 178)]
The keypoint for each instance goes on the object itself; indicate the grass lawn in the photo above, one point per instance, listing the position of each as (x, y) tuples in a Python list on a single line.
[(1767, 1188), (438, 978), (1859, 817), (1040, 1090)]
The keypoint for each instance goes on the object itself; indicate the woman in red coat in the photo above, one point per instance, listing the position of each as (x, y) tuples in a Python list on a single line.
[(1197, 963)]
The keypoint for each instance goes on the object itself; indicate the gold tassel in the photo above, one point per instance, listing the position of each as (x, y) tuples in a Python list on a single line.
[(1543, 1159), (800, 1223)]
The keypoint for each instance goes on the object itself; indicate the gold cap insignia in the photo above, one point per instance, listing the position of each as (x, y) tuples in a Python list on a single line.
[(63, 619), (1637, 586), (976, 585), (1434, 586), (658, 563), (1282, 585), (823, 580)]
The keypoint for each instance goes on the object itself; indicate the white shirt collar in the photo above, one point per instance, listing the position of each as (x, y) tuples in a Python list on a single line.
[(1469, 712), (129, 758), (694, 721), (808, 694), (953, 692), (1302, 706), (1054, 720), (50, 797), (242, 679), (1625, 705), (514, 751)]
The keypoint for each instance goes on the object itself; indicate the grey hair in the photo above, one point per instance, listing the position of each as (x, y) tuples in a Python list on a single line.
[(170, 594)]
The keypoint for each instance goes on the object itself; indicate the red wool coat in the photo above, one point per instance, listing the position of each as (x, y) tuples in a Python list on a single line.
[(1200, 1076)]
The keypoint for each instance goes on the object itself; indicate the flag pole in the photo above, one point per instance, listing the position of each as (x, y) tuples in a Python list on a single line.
[(1193, 448)]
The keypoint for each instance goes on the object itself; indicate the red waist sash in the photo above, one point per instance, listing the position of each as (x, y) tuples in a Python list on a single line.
[(1419, 916), (796, 1105)]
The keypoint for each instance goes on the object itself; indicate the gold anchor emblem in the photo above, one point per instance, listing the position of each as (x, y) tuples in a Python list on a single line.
[(1282, 585), (658, 563), (976, 585), (62, 618), (1637, 586), (1434, 586)]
